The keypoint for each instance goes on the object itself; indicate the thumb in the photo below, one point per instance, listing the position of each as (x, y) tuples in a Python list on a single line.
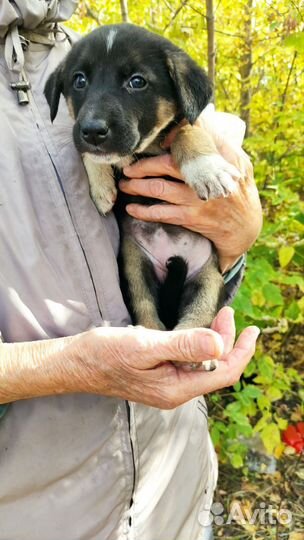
[(195, 345)]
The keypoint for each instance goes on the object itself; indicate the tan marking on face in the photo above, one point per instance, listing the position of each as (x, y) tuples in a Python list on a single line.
[(165, 113), (70, 107)]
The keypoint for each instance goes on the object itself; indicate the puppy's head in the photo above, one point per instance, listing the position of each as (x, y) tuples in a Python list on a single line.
[(123, 86)]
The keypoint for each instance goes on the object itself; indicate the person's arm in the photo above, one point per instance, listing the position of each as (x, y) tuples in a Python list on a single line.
[(131, 363), (34, 369)]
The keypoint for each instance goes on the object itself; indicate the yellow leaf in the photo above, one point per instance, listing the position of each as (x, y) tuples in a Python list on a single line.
[(273, 394), (278, 451), (271, 437), (296, 536), (257, 298), (285, 255)]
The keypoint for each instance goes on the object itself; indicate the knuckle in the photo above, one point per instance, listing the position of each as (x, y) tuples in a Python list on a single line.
[(156, 213), (185, 347), (156, 188)]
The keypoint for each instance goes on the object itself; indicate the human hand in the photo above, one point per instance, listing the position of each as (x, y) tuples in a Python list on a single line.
[(135, 363), (232, 223)]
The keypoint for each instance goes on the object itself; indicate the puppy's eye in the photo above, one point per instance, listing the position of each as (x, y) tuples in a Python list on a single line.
[(137, 82), (79, 81)]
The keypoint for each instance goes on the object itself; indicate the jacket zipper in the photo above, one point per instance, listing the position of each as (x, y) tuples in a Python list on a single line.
[(78, 238), (133, 460), (36, 113)]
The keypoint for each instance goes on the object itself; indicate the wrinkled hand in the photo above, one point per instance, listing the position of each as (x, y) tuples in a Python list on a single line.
[(231, 223), (136, 363)]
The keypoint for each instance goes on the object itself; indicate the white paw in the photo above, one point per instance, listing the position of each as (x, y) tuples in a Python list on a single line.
[(210, 176), (104, 199)]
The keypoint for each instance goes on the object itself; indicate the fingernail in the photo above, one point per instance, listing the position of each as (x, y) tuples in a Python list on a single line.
[(229, 308), (255, 330)]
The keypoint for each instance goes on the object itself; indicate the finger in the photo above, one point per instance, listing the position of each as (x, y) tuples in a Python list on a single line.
[(231, 170), (194, 345), (164, 213), (244, 348), (154, 166), (238, 158), (224, 324), (158, 188), (196, 383)]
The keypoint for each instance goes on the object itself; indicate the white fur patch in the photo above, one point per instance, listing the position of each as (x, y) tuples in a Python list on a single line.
[(210, 176), (104, 159), (110, 39)]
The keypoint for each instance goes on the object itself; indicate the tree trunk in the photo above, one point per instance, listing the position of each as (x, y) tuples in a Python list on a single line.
[(211, 40), (246, 67), (124, 11)]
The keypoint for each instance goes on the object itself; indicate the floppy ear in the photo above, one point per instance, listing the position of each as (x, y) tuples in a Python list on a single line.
[(193, 87), (53, 89)]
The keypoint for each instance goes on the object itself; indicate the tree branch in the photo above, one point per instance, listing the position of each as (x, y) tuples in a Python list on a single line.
[(284, 95), (177, 11), (211, 40), (91, 14), (124, 11)]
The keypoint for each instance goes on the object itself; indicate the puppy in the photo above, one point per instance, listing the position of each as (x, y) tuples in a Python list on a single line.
[(126, 88)]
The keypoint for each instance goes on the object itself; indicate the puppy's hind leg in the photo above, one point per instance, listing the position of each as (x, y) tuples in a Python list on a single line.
[(136, 268), (201, 300), (202, 297)]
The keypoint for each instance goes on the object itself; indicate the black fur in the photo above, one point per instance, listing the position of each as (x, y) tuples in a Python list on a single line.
[(171, 292), (170, 73), (52, 91)]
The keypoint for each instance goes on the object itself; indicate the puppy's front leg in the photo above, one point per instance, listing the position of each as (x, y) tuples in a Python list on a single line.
[(102, 184), (142, 301), (202, 167)]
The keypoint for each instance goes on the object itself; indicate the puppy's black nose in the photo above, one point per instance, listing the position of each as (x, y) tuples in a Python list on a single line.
[(94, 132)]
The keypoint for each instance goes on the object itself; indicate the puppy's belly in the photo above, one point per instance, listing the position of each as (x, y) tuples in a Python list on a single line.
[(160, 242)]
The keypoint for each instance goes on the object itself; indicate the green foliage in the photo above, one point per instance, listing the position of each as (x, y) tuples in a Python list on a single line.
[(254, 408), (272, 292)]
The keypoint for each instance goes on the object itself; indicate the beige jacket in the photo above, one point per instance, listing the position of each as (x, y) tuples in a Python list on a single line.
[(70, 466)]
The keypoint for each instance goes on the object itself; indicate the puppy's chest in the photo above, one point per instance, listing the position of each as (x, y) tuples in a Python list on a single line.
[(160, 242)]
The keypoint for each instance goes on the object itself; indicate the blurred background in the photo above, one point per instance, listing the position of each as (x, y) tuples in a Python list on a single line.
[(253, 51)]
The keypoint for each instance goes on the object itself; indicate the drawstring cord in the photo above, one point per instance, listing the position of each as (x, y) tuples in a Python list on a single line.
[(14, 56), (14, 47)]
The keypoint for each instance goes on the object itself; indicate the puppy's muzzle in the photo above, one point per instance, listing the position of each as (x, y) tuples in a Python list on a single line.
[(94, 132)]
